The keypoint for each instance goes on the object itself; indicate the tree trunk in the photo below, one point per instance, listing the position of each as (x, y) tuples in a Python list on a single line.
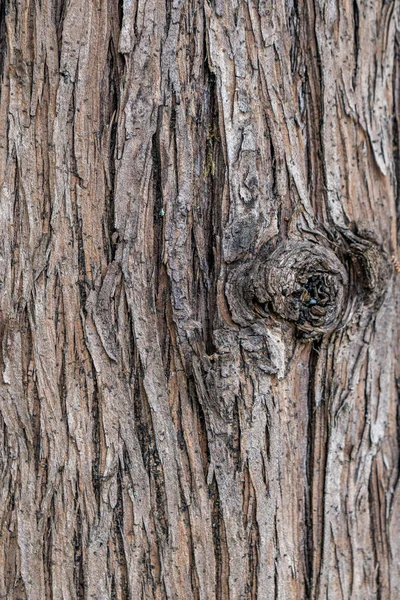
[(199, 337)]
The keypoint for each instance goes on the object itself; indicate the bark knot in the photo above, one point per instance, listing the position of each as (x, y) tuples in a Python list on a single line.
[(304, 283), (315, 284)]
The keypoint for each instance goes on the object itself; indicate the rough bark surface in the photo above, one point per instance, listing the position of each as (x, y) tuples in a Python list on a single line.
[(199, 330)]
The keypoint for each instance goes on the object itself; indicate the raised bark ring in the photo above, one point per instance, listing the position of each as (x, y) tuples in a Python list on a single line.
[(306, 284)]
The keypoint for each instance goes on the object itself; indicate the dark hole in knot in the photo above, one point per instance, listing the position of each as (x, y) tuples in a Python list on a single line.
[(315, 299)]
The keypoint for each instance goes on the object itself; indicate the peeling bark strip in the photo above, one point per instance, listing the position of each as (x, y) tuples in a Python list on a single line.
[(198, 324)]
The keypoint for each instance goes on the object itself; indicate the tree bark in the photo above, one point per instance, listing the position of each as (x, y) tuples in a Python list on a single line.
[(199, 327)]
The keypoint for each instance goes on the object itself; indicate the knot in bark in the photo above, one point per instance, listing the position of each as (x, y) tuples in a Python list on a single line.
[(305, 283)]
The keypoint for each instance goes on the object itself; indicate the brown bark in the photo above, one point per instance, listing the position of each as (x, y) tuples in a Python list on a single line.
[(199, 332)]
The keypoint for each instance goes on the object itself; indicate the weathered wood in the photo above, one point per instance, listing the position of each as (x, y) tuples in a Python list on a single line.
[(199, 331)]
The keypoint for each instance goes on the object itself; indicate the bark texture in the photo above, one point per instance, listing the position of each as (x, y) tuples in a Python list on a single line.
[(199, 321)]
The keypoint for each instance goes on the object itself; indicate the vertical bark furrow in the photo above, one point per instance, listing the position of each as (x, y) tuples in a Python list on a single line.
[(396, 131), (152, 463), (220, 545), (3, 45), (77, 541)]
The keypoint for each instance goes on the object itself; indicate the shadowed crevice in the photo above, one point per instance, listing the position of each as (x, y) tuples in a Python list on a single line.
[(150, 455), (79, 579), (3, 38), (312, 456), (118, 543), (109, 107), (210, 211), (253, 535), (396, 129), (220, 544), (96, 441)]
